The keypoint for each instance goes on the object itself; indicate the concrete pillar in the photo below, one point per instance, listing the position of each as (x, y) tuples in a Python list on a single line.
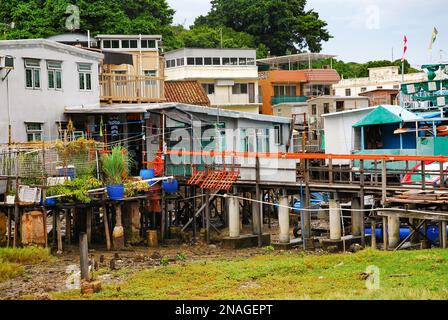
[(283, 220), (256, 216), (335, 220), (234, 217), (357, 217), (393, 230)]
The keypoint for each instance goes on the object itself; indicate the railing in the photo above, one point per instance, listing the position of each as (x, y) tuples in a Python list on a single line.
[(279, 100), (128, 88)]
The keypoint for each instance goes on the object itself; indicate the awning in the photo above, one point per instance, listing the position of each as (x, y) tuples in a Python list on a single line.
[(117, 58), (386, 115)]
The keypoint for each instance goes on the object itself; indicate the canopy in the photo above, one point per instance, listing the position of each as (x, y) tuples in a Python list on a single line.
[(386, 115)]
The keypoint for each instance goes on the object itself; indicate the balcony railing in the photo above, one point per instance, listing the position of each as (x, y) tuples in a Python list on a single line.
[(129, 88), (286, 99)]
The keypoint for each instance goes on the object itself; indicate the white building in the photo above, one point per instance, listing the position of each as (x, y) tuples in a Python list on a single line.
[(339, 132), (46, 78), (229, 76), (379, 78)]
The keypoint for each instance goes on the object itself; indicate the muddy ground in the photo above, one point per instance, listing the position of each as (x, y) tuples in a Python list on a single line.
[(38, 280)]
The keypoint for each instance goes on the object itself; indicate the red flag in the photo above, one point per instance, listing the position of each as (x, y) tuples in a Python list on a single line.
[(405, 47)]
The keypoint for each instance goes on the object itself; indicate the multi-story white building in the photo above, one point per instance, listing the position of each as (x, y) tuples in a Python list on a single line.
[(46, 77), (379, 78), (229, 76)]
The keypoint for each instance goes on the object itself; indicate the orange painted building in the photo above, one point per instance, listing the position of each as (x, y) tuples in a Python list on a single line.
[(294, 86)]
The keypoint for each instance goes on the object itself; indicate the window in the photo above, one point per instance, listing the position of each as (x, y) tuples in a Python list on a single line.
[(107, 44), (148, 44), (209, 88), (230, 61), (314, 90), (85, 76), (239, 88), (348, 92), (190, 61), (285, 90), (199, 61), (54, 69), (326, 108), (150, 73), (32, 73), (250, 61), (171, 63), (278, 134), (243, 61), (34, 131), (216, 61), (363, 89), (129, 44), (180, 62), (340, 106), (313, 109), (208, 61), (115, 44)]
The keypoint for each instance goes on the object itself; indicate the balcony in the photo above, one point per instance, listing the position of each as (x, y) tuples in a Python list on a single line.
[(118, 88), (233, 99), (288, 99)]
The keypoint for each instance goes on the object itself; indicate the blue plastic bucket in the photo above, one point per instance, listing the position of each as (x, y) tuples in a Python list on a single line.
[(147, 174), (50, 202), (115, 192), (170, 186)]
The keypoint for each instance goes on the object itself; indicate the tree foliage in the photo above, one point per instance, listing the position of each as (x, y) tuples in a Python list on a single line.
[(283, 26), (210, 37), (44, 18), (361, 70)]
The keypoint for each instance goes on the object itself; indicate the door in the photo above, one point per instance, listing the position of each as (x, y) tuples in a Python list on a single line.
[(251, 93)]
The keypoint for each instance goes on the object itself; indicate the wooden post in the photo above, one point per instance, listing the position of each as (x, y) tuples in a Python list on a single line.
[(375, 168), (423, 175), (84, 256), (68, 226), (373, 228), (330, 171), (442, 176), (207, 216), (384, 181), (385, 234), (44, 211), (59, 230), (16, 225), (106, 227), (89, 225), (9, 226), (306, 213), (443, 233)]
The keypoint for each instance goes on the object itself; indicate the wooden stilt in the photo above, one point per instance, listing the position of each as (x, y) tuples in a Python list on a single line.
[(59, 230), (207, 216), (385, 234), (89, 225), (9, 226), (16, 225), (444, 240), (68, 226), (106, 228), (373, 228)]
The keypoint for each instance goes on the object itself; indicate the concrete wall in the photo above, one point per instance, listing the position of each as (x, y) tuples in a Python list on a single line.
[(42, 105)]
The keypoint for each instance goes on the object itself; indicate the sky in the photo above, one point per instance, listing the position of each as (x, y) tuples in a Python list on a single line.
[(366, 30)]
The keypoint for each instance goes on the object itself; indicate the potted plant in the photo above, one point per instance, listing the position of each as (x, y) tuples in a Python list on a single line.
[(11, 196), (116, 167)]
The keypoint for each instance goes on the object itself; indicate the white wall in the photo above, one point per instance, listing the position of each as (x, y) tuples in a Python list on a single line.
[(211, 72), (339, 132), (42, 105)]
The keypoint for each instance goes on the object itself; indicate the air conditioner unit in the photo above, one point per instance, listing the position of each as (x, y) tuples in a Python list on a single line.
[(7, 62)]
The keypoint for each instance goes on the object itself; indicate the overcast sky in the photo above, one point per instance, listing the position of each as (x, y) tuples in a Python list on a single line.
[(366, 30)]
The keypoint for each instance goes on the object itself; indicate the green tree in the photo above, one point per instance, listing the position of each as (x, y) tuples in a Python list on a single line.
[(283, 26), (212, 37), (43, 18)]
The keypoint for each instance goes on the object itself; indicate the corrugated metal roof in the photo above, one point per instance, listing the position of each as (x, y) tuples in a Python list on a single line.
[(322, 75), (385, 114), (189, 92)]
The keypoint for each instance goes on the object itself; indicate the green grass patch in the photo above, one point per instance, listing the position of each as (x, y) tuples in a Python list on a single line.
[(403, 275), (12, 260)]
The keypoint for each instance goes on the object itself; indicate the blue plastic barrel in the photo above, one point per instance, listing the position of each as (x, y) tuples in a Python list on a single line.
[(147, 174), (432, 231), (67, 172), (50, 202), (170, 186), (115, 192)]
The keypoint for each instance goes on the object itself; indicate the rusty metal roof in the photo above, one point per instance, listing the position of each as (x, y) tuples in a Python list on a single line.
[(188, 92), (322, 75)]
